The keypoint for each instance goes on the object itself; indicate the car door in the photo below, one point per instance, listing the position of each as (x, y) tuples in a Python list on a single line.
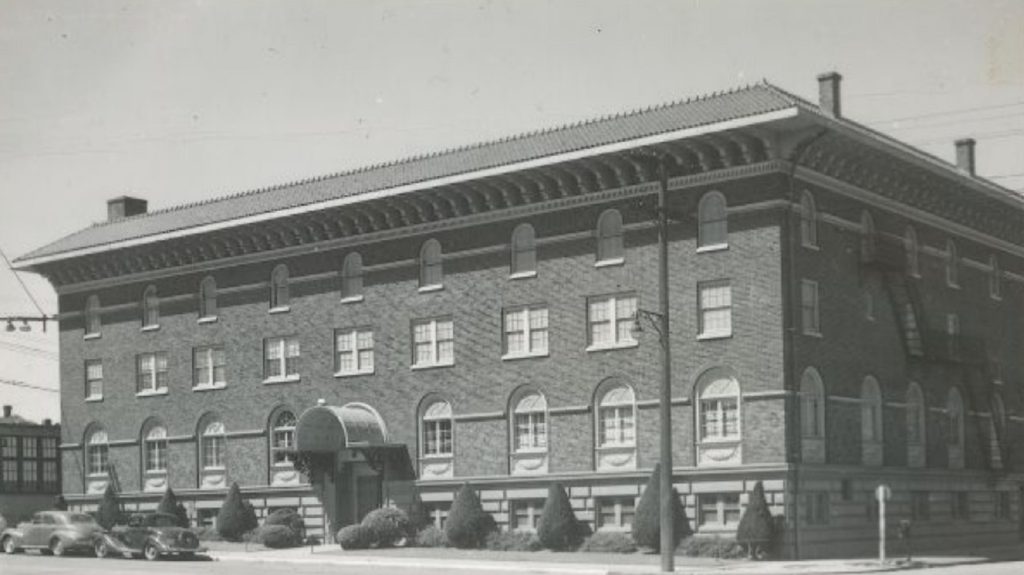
[(30, 534), (135, 532)]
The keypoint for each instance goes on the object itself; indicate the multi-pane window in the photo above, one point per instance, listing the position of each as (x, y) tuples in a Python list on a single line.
[(718, 407), (916, 415), (352, 277), (812, 405), (611, 320), (718, 509), (952, 265), (609, 237), (437, 429), (94, 379), (208, 298), (616, 512), (526, 331), (960, 505), (526, 514), (155, 446), (212, 446), (9, 460), (524, 251), (809, 309), (920, 506), (815, 507), (92, 315), (151, 372), (280, 296), (616, 418), (97, 453), (437, 512), (282, 440), (715, 303), (433, 342), (870, 410), (208, 366), (353, 351), (431, 272), (51, 478), (713, 227), (808, 221), (281, 358), (150, 308), (529, 419), (995, 279), (29, 463)]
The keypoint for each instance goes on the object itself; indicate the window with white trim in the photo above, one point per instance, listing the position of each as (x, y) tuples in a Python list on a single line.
[(526, 331), (808, 221), (616, 513), (609, 237), (207, 298), (718, 408), (812, 405), (281, 358), (50, 460), (431, 272), (524, 251), (530, 427), (280, 297), (155, 450), (92, 315), (809, 307), (352, 277), (208, 367), (715, 304), (282, 439), (353, 351), (611, 320), (29, 463), (433, 342), (616, 417), (150, 308), (151, 372), (94, 379), (870, 410), (97, 452), (525, 515), (713, 222), (717, 510), (436, 426), (211, 445)]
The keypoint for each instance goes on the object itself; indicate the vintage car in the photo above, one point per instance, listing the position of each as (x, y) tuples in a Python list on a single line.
[(55, 532), (151, 535)]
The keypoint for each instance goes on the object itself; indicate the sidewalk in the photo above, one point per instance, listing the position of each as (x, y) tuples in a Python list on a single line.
[(593, 563)]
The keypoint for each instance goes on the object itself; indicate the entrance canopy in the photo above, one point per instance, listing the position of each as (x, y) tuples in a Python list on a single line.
[(328, 429)]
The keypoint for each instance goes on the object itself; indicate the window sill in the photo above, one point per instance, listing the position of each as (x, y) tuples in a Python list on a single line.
[(91, 336), (616, 446), (343, 374), (712, 336), (816, 334), (352, 299), (280, 309), (282, 379), (592, 348), (714, 248), (515, 356), (97, 475), (215, 469), (209, 387), (151, 393), (952, 286), (151, 327), (530, 451), (438, 457), (417, 367), (430, 288), (207, 319), (94, 399), (812, 247), (156, 473), (523, 275), (608, 263), (721, 441)]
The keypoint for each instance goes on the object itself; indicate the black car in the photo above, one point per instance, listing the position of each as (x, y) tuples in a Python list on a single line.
[(150, 535)]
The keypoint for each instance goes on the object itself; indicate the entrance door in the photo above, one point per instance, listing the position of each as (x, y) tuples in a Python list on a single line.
[(367, 495)]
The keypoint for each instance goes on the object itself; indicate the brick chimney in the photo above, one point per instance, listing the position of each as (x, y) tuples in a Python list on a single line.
[(7, 410), (47, 422), (829, 93), (965, 155), (125, 207)]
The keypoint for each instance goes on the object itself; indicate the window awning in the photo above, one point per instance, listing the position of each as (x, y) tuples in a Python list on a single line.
[(328, 428)]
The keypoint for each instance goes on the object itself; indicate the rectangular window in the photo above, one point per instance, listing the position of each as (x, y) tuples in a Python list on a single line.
[(616, 426), (719, 418), (151, 372), (433, 343), (526, 514), (208, 367), (1003, 505), (281, 358), (531, 431), (718, 509), (809, 309), (49, 448), (815, 507), (953, 335), (616, 512), (9, 461), (920, 506), (353, 351), (526, 331), (438, 512), (94, 379), (50, 478), (213, 452), (715, 304), (610, 321), (960, 505)]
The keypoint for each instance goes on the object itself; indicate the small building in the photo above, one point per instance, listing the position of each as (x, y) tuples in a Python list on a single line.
[(29, 465)]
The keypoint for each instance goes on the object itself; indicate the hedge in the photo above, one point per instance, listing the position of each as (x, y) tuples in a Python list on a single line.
[(558, 528), (468, 524)]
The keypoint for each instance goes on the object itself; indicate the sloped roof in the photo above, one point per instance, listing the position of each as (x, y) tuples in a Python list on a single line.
[(743, 102)]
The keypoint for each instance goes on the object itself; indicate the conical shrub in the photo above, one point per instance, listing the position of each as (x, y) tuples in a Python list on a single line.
[(558, 528), (109, 513), (468, 524), (169, 504), (756, 529), (236, 517), (647, 522)]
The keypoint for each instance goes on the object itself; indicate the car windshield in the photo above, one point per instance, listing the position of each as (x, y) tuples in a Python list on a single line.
[(80, 518), (162, 521)]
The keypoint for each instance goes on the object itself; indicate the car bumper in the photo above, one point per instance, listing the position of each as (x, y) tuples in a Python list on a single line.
[(175, 549)]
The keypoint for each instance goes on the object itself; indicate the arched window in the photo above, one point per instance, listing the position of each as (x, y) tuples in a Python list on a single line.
[(954, 418), (431, 272), (150, 308), (279, 296), (718, 409), (97, 451), (154, 455), (609, 237), (808, 221), (616, 417), (870, 411), (352, 277), (211, 445), (867, 237), (916, 415), (995, 278), (437, 429), (208, 298), (910, 245), (282, 439), (952, 265), (92, 315), (713, 226), (529, 423), (524, 251), (812, 405), (998, 414)]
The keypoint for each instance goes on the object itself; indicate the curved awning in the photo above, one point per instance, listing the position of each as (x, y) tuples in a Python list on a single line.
[(328, 428)]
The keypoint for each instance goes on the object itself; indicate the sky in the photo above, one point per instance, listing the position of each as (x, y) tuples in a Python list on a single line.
[(177, 101)]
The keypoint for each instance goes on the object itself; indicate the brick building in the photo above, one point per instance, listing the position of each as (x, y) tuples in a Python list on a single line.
[(846, 312), (29, 465)]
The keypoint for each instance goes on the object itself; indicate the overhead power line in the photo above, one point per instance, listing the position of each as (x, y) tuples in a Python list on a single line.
[(18, 348), (947, 113), (22, 283), (16, 383)]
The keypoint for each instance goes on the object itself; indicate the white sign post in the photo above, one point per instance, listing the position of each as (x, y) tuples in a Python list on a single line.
[(882, 494)]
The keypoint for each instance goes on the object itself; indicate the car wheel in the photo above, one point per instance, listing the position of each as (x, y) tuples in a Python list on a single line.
[(101, 549), (10, 547), (57, 547), (150, 552)]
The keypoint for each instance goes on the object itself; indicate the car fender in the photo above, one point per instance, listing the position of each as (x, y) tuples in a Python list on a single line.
[(115, 544), (14, 532)]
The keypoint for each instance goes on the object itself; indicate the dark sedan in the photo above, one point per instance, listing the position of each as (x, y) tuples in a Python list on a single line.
[(150, 535)]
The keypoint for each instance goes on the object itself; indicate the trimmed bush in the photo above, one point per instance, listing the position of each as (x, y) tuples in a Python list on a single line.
[(513, 541), (468, 523), (109, 513), (236, 516), (756, 529), (647, 523), (169, 504), (355, 537), (431, 536), (558, 528), (206, 533), (418, 515), (390, 526), (290, 519), (715, 547), (59, 503), (608, 542), (277, 536)]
